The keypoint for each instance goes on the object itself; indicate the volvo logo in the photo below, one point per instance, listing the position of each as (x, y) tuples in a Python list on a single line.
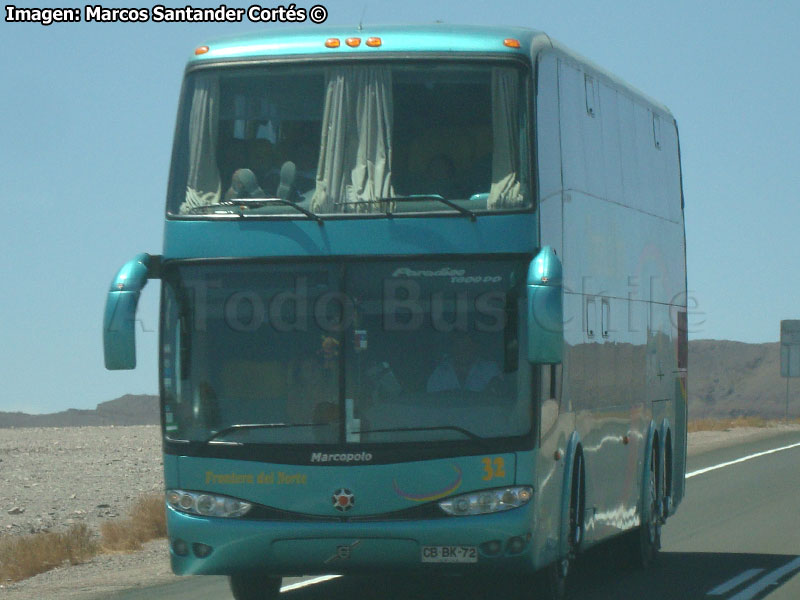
[(343, 552), (343, 499)]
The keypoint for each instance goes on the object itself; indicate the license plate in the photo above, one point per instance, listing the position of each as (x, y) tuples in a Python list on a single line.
[(449, 554)]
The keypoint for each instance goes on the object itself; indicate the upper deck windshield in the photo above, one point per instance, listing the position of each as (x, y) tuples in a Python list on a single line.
[(361, 353), (362, 137)]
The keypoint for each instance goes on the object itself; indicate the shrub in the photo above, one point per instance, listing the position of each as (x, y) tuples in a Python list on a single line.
[(26, 556), (147, 521)]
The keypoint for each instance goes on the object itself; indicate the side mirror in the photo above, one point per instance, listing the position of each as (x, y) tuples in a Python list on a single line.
[(545, 309), (119, 323)]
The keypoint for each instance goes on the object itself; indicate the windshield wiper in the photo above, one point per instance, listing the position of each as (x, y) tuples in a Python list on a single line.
[(248, 426), (257, 203), (415, 197), (466, 432)]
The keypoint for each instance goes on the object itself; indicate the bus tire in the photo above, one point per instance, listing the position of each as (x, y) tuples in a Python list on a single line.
[(645, 541), (577, 506), (666, 494), (255, 587), (553, 578), (553, 581)]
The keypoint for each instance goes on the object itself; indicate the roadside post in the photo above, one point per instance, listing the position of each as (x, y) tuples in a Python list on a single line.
[(790, 354)]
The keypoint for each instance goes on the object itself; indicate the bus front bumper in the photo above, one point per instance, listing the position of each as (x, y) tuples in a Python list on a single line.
[(219, 546)]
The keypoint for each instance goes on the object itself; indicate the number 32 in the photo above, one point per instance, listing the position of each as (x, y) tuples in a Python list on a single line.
[(493, 468)]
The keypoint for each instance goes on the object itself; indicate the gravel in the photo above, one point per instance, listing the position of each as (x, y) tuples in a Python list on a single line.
[(54, 477)]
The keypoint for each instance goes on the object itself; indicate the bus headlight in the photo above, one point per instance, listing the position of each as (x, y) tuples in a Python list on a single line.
[(207, 505), (487, 501)]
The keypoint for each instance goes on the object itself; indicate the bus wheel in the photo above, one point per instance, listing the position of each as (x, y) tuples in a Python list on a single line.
[(577, 506), (645, 541), (255, 587), (666, 481), (553, 579)]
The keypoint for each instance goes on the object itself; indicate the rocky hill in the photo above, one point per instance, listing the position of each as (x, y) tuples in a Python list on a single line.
[(126, 410), (730, 379)]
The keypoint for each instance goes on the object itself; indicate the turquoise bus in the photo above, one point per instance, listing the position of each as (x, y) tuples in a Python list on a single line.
[(423, 308)]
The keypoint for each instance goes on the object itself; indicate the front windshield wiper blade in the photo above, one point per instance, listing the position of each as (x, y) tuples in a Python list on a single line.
[(414, 197), (259, 202), (466, 432), (248, 426)]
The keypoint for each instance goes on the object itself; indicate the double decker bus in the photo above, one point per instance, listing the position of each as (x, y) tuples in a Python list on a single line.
[(423, 308)]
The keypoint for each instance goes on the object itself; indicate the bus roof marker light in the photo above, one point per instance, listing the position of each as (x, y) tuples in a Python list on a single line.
[(353, 42), (332, 43), (511, 43), (374, 42), (201, 50)]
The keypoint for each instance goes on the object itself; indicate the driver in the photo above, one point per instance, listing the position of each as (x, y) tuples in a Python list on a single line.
[(314, 385), (462, 369)]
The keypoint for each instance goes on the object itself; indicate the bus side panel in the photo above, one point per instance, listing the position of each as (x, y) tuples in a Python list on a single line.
[(624, 279), (591, 249)]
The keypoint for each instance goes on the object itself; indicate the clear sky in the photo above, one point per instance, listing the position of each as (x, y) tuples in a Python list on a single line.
[(88, 113)]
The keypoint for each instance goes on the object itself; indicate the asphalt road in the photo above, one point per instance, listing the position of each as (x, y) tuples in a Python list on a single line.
[(736, 536)]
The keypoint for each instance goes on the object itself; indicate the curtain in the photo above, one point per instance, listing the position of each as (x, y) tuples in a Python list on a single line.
[(203, 186), (505, 191), (355, 156)]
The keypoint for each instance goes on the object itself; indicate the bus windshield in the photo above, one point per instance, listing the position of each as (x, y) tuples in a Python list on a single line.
[(360, 353), (366, 137)]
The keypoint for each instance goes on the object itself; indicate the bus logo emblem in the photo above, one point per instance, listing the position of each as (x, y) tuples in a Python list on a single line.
[(343, 499), (343, 552)]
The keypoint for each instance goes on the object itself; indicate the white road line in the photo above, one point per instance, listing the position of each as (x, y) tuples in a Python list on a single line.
[(306, 583), (734, 582), (767, 580), (739, 460)]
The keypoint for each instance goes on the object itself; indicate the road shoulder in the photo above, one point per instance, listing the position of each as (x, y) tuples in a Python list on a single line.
[(702, 442)]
